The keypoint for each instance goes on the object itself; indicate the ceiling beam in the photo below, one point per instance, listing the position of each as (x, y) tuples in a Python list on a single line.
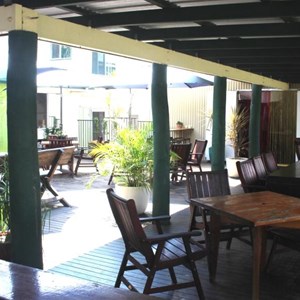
[(45, 3), (194, 14), (227, 31), (93, 39), (245, 53), (258, 43)]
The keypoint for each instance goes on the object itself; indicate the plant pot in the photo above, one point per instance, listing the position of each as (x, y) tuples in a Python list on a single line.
[(5, 251), (140, 195), (231, 166)]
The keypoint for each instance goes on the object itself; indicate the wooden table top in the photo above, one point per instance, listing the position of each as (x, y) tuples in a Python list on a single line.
[(256, 209), (21, 282)]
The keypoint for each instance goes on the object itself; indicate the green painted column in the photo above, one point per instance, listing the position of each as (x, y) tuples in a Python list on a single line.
[(218, 132), (161, 137), (3, 118), (254, 122), (22, 150)]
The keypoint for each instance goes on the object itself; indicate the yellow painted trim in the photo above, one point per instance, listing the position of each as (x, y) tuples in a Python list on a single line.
[(72, 34)]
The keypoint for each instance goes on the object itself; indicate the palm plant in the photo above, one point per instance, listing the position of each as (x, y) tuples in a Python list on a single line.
[(238, 122), (130, 155)]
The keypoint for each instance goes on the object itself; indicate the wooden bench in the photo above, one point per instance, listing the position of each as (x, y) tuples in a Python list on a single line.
[(67, 158), (49, 160)]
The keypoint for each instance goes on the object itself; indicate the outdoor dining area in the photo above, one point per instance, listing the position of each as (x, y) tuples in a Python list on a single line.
[(239, 260), (201, 233)]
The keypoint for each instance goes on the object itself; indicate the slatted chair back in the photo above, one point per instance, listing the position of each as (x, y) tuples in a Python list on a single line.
[(159, 251), (207, 184), (197, 154), (127, 219), (180, 165), (270, 161), (248, 176), (260, 167), (211, 184)]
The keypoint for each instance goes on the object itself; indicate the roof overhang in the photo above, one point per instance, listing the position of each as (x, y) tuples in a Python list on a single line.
[(16, 17)]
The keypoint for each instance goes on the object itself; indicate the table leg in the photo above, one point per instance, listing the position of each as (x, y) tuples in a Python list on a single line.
[(259, 258), (213, 245)]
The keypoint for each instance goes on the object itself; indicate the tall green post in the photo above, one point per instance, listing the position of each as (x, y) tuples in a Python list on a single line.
[(254, 123), (161, 140), (22, 150), (218, 132), (3, 118)]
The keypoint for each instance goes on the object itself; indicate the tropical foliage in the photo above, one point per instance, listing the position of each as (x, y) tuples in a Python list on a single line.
[(237, 125), (4, 199), (130, 156)]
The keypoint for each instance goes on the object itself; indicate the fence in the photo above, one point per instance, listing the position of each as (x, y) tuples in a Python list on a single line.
[(89, 130)]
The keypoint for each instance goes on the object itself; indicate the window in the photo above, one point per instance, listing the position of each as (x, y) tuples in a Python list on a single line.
[(61, 51), (100, 66)]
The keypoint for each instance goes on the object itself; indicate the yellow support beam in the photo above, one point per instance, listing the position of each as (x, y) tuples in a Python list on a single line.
[(56, 30)]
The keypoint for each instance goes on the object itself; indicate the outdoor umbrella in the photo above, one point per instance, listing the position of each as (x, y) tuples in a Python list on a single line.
[(176, 79)]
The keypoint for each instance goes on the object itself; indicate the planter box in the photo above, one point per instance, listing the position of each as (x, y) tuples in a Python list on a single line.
[(231, 166), (140, 195)]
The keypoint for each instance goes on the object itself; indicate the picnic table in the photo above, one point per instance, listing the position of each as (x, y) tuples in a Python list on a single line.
[(49, 160)]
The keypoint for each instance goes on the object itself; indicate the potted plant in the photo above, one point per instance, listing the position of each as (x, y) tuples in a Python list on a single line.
[(236, 137), (131, 158), (4, 210), (179, 124)]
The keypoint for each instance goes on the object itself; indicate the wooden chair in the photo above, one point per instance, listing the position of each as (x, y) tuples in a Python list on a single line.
[(297, 147), (180, 165), (210, 184), (270, 161), (284, 236), (84, 160), (260, 168), (196, 156), (248, 176), (157, 252)]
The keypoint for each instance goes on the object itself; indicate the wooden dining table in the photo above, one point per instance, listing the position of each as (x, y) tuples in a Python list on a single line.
[(260, 210), (285, 180)]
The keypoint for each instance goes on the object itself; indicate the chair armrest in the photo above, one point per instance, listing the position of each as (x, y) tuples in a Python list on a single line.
[(157, 220), (169, 236)]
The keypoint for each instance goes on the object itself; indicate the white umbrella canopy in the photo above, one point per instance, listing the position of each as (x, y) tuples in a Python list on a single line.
[(57, 77), (176, 78)]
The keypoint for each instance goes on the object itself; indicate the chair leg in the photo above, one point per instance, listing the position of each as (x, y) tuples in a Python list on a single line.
[(228, 244), (121, 270), (271, 254), (197, 280), (149, 282), (77, 165)]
